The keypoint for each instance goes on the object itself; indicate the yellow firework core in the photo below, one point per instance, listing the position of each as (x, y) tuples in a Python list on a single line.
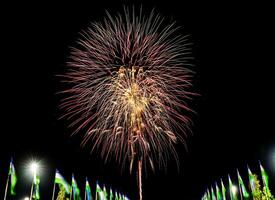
[(133, 97)]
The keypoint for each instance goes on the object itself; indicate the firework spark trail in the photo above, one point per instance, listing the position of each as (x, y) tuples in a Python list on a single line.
[(128, 81)]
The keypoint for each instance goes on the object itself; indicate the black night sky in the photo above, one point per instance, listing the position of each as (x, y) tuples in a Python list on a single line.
[(233, 46)]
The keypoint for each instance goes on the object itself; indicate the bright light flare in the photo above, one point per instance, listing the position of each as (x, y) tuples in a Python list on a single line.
[(34, 167), (234, 189)]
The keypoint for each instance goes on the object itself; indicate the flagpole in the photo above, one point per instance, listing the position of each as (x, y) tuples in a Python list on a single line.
[(96, 194), (241, 192), (85, 195), (31, 191), (7, 185), (140, 179), (53, 191), (54, 185), (240, 188), (71, 193)]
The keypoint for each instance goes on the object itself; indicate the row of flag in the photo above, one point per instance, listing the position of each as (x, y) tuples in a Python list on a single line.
[(72, 191), (215, 193)]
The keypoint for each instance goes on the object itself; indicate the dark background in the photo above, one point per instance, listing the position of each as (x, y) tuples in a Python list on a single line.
[(234, 125)]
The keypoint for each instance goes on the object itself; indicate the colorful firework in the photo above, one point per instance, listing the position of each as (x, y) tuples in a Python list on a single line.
[(128, 81)]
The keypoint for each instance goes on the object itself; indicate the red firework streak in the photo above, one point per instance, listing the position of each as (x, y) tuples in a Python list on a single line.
[(128, 81)]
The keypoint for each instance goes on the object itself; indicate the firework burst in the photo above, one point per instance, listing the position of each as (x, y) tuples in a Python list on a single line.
[(128, 81)]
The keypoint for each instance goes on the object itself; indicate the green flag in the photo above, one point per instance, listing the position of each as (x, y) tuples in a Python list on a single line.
[(36, 182), (213, 196), (119, 196), (208, 195), (264, 178), (62, 182), (116, 196), (242, 186), (251, 181), (111, 194), (223, 191), (13, 178), (100, 192), (88, 190), (218, 192), (232, 189), (204, 197), (105, 192), (75, 190)]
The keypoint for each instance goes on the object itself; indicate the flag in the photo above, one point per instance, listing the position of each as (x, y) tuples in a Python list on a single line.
[(36, 182), (100, 192), (223, 191), (213, 196), (116, 196), (232, 189), (251, 181), (264, 178), (242, 186), (126, 198), (13, 178), (119, 196), (105, 192), (205, 196), (111, 194), (208, 195), (218, 192), (88, 190), (62, 182), (75, 190)]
